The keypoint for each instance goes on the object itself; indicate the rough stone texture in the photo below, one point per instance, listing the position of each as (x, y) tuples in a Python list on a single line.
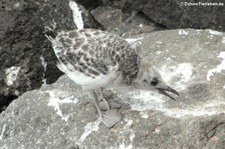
[(175, 13), (90, 4), (26, 57), (61, 115), (136, 24), (109, 17), (124, 24)]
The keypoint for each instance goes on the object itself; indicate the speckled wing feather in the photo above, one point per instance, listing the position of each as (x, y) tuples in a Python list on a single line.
[(94, 52)]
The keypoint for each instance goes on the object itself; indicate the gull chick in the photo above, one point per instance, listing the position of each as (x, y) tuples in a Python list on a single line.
[(95, 59)]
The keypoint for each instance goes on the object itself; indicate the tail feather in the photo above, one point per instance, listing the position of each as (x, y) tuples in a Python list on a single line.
[(50, 38), (50, 31)]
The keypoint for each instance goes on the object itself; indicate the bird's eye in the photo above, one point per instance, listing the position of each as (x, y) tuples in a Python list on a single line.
[(154, 83)]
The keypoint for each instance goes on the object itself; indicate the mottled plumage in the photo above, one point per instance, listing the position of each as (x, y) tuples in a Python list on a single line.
[(96, 54), (95, 59)]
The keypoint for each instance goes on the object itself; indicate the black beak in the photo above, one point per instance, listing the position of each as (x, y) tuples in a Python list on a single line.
[(168, 89)]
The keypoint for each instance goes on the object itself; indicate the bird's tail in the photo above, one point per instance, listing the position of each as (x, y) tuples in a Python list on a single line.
[(50, 31), (50, 34)]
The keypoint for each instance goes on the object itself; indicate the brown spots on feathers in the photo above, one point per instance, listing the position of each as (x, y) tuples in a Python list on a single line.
[(92, 52)]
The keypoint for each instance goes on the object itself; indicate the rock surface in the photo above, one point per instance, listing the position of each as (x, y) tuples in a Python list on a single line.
[(136, 24), (109, 17), (89, 4), (61, 115), (177, 13), (124, 24), (26, 57)]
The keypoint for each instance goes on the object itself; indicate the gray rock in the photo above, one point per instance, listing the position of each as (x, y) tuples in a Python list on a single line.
[(26, 57), (177, 13), (90, 4), (136, 24), (61, 115), (109, 17), (124, 24)]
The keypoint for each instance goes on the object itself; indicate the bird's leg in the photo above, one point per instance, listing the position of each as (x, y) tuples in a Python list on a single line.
[(95, 97), (106, 104), (109, 117)]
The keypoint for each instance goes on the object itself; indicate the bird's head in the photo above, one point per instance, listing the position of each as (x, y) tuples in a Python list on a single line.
[(149, 79)]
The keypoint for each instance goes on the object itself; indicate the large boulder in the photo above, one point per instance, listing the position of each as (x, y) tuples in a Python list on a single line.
[(26, 57), (61, 115), (124, 24), (177, 13)]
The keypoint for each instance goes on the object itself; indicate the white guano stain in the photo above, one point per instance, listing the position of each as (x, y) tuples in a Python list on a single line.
[(218, 68), (123, 146), (140, 25), (88, 129), (134, 42), (44, 64), (11, 75), (181, 72), (127, 130), (77, 14), (144, 114), (182, 32), (144, 100), (132, 136), (55, 102), (223, 40), (213, 32), (2, 133)]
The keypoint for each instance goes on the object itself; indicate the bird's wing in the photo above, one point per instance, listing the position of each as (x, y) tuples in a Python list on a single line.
[(85, 50)]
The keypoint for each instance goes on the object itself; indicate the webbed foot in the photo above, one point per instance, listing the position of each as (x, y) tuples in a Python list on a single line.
[(111, 117)]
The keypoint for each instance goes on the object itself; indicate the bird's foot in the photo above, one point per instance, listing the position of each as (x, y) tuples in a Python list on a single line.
[(111, 117), (104, 105)]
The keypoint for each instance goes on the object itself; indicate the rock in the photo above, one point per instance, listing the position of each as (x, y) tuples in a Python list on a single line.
[(176, 13), (90, 4), (109, 17), (124, 24), (61, 115), (136, 24), (26, 57)]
